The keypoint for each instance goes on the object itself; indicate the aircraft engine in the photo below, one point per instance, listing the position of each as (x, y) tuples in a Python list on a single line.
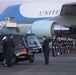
[(48, 28)]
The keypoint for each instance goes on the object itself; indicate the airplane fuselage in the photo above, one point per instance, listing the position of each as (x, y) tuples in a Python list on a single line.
[(36, 14), (20, 29)]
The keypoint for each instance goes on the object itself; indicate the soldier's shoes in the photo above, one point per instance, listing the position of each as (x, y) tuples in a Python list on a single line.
[(5, 65)]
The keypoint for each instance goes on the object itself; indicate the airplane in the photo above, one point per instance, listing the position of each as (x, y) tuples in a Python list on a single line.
[(39, 18), (47, 19)]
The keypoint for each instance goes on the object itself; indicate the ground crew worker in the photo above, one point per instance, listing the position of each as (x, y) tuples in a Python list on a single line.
[(10, 50)]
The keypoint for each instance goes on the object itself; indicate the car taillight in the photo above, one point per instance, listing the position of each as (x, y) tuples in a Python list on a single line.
[(26, 50)]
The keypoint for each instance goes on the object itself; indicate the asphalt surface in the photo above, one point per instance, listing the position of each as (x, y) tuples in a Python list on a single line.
[(60, 65)]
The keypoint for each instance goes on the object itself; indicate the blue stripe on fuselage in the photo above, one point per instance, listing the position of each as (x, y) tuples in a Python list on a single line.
[(13, 11)]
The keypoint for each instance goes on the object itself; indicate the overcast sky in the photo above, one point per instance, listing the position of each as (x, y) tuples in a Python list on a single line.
[(5, 3)]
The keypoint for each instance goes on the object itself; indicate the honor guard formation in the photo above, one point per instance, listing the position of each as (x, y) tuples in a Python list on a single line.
[(61, 45)]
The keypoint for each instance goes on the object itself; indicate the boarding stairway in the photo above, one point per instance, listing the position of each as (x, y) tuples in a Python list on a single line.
[(2, 24), (7, 24)]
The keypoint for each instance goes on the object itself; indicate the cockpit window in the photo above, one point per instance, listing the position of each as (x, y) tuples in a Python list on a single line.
[(33, 41)]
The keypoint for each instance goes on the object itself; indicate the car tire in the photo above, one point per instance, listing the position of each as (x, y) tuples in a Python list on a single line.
[(14, 60), (31, 60)]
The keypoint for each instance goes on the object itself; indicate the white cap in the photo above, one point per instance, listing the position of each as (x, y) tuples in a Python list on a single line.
[(4, 38)]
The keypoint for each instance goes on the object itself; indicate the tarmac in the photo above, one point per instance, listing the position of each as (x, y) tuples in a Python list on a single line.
[(60, 65)]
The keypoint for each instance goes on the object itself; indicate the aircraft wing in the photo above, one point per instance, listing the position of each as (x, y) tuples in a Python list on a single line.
[(68, 9)]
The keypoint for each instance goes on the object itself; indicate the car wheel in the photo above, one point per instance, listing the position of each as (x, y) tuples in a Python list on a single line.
[(31, 60), (14, 60)]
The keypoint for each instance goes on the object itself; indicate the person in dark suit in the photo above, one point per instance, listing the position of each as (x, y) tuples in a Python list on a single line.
[(46, 49), (10, 50), (4, 46)]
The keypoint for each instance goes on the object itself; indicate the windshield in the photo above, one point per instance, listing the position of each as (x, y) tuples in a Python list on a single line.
[(33, 41)]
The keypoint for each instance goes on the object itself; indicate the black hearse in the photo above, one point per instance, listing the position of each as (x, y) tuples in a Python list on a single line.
[(25, 47)]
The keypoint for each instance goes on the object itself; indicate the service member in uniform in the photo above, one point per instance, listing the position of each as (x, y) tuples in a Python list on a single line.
[(62, 45), (69, 44), (4, 46), (65, 44), (59, 45), (54, 42), (10, 50), (46, 50)]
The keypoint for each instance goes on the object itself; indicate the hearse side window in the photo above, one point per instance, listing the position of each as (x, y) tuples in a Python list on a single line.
[(33, 41), (18, 40)]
